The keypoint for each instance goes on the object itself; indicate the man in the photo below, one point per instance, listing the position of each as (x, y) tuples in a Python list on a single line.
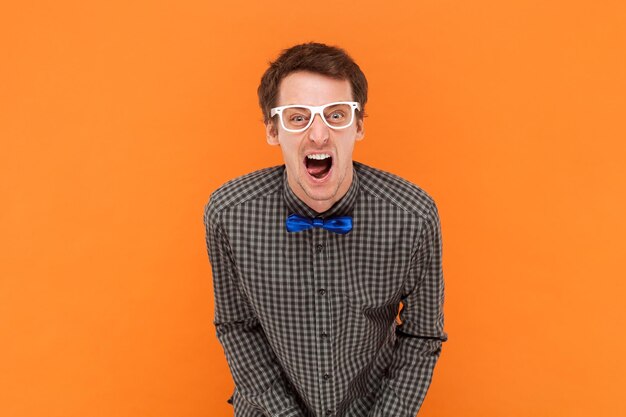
[(312, 258)]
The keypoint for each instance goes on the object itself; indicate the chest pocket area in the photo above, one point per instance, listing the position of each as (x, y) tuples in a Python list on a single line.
[(373, 287)]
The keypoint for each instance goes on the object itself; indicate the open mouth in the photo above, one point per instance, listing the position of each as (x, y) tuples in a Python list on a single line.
[(318, 165)]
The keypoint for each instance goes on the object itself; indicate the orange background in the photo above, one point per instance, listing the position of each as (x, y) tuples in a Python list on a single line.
[(118, 118)]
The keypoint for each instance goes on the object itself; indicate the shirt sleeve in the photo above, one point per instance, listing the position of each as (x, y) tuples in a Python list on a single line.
[(420, 333), (258, 377)]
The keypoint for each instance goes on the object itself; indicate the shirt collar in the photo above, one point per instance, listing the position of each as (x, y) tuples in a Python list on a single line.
[(343, 207)]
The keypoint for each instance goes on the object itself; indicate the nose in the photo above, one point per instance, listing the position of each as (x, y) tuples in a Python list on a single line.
[(318, 132)]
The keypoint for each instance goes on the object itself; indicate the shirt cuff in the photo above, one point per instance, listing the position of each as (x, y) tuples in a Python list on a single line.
[(278, 401)]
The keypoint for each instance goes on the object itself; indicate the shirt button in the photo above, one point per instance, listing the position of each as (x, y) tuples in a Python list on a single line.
[(329, 412), (322, 291), (324, 335), (319, 248), (326, 377)]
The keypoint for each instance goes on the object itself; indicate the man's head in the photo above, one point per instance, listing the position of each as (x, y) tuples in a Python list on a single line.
[(318, 159)]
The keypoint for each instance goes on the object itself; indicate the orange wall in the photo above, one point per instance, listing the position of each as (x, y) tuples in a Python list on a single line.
[(118, 118)]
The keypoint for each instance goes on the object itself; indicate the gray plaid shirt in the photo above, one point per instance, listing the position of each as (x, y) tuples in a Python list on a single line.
[(307, 319)]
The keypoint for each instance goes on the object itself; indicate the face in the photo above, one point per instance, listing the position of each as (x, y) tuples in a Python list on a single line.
[(317, 181)]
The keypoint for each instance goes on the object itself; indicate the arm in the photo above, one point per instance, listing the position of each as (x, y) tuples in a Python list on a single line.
[(253, 365), (421, 333)]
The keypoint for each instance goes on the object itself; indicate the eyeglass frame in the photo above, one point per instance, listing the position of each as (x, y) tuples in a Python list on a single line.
[(314, 111)]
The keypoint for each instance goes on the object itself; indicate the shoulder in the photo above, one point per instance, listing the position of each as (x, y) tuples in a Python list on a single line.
[(244, 188), (395, 190)]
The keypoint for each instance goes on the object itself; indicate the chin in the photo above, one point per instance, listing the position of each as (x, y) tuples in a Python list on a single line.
[(321, 193)]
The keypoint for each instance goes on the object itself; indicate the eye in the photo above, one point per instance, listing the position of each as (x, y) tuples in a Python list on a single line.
[(335, 116), (297, 118)]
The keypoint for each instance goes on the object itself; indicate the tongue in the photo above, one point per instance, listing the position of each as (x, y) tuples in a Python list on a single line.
[(318, 168)]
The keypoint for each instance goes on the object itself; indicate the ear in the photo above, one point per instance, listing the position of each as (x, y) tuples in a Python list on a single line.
[(360, 129), (271, 132)]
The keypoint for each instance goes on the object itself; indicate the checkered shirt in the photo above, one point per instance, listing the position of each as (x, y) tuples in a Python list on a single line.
[(309, 320)]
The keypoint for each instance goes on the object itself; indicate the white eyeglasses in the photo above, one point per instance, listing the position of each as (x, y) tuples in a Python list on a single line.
[(298, 117)]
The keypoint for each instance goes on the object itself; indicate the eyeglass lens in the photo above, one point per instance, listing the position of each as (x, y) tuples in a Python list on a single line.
[(337, 115)]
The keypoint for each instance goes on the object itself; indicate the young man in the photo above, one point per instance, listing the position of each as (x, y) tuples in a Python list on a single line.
[(312, 258)]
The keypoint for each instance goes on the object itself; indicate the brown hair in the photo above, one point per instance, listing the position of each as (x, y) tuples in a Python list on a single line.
[(319, 58)]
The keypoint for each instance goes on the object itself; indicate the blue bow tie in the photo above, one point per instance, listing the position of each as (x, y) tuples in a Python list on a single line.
[(341, 225)]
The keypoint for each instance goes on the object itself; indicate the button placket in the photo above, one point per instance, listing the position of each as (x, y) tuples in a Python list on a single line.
[(322, 320)]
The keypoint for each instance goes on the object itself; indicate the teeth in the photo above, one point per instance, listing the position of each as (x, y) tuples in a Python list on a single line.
[(318, 156)]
